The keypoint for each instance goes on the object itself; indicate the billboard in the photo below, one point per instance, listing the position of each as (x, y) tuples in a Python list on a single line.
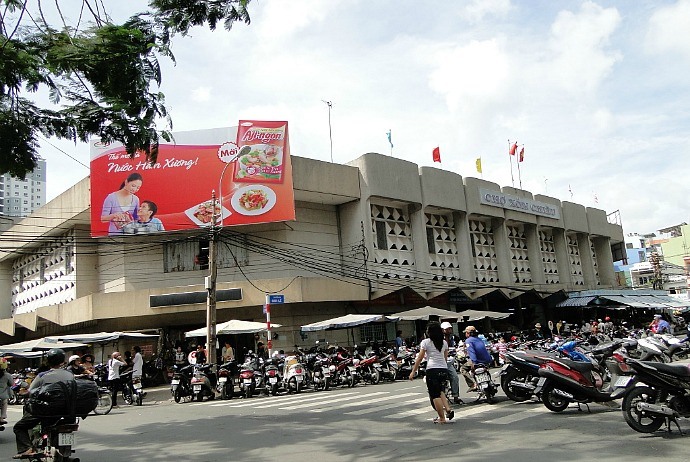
[(248, 167)]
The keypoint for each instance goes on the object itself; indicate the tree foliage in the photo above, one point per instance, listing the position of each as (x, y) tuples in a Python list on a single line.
[(102, 77)]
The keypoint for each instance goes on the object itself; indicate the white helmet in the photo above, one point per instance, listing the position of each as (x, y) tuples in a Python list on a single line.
[(73, 358)]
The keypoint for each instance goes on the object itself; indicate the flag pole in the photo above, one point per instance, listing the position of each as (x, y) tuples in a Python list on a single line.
[(512, 179), (519, 161)]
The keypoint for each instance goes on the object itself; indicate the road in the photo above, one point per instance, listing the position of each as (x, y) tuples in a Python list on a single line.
[(389, 421)]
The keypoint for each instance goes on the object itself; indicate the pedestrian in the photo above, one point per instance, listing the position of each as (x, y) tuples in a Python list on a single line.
[(115, 364), (200, 354), (227, 352), (502, 348), (6, 383), (435, 349), (180, 357), (399, 342), (659, 325), (138, 368)]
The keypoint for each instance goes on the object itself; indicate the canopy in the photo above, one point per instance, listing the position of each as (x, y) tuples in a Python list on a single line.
[(104, 337), (349, 320), (425, 313), (234, 326), (476, 315), (40, 344)]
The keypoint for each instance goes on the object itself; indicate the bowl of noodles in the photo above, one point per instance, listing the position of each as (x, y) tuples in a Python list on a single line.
[(253, 200)]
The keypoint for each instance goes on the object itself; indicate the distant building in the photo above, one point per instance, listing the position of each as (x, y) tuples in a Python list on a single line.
[(677, 247), (19, 198)]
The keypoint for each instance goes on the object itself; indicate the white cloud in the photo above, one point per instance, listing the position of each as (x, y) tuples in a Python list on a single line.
[(578, 42), (477, 10), (668, 30), (201, 94)]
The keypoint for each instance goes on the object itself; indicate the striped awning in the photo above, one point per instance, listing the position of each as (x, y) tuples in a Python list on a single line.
[(575, 301)]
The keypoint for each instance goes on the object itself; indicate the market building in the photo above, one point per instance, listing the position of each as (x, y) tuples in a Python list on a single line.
[(375, 235)]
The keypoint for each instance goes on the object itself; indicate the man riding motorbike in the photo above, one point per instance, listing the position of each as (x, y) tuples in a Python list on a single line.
[(452, 373), (478, 354), (55, 359)]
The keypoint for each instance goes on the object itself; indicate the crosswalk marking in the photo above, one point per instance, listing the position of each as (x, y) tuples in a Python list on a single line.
[(337, 400), (385, 407), (377, 399), (511, 418)]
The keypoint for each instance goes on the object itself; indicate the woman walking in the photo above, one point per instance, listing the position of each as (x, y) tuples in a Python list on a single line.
[(435, 348)]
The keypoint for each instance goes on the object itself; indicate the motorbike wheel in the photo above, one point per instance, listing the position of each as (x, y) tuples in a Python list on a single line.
[(226, 391), (127, 396), (326, 383), (140, 399), (248, 392), (294, 385), (552, 401), (375, 376), (105, 404), (515, 394), (177, 396), (639, 420), (274, 389)]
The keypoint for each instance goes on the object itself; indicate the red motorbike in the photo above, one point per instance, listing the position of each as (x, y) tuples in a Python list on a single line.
[(343, 368)]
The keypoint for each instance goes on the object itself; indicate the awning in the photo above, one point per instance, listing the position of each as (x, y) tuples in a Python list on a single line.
[(476, 315), (41, 344), (575, 301), (104, 337), (349, 320), (425, 313), (234, 326)]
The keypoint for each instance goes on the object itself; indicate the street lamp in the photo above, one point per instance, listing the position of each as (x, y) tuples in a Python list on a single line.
[(210, 282)]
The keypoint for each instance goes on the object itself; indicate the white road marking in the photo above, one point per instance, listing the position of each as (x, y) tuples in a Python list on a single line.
[(377, 399)]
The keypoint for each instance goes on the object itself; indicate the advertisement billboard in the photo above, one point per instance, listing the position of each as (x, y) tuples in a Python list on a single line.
[(248, 167)]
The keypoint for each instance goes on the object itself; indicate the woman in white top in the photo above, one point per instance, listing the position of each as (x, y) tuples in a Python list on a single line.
[(114, 365), (435, 348)]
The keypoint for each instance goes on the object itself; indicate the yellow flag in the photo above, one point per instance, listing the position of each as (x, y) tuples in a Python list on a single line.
[(479, 164)]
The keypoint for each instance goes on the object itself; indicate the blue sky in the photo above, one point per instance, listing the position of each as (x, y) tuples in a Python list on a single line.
[(597, 91)]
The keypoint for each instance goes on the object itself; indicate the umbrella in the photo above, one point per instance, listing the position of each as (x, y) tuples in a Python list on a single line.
[(476, 315), (234, 326), (349, 320), (425, 313)]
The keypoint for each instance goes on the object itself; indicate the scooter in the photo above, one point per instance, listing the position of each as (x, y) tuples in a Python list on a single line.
[(180, 385), (226, 382), (54, 440), (203, 382), (132, 391), (485, 384), (252, 376), (274, 376), (657, 393), (293, 374)]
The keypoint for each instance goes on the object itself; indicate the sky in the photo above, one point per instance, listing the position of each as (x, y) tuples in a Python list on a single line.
[(596, 92)]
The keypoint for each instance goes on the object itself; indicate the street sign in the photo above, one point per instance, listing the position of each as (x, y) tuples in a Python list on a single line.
[(276, 299)]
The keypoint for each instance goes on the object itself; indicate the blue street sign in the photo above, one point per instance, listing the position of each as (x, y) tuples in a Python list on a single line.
[(276, 299)]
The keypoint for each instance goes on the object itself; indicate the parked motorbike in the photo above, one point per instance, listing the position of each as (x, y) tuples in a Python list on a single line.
[(226, 381), (389, 365), (252, 377), (368, 366), (406, 358), (274, 375), (342, 368), (180, 385), (520, 374), (658, 393), (203, 382), (132, 391), (293, 374), (317, 364), (563, 381)]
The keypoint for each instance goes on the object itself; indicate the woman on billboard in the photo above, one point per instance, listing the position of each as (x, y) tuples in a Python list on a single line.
[(121, 207)]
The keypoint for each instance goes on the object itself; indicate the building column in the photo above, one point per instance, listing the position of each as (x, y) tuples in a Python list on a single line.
[(464, 246), (420, 248), (602, 248), (505, 270), (588, 272), (560, 245), (536, 266)]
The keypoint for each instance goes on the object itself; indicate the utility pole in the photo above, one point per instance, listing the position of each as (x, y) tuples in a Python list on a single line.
[(211, 284)]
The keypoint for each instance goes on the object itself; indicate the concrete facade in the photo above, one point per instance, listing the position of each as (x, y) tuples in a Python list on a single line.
[(378, 234)]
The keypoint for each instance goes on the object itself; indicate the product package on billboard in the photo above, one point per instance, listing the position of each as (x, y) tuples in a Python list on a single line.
[(248, 169), (265, 159)]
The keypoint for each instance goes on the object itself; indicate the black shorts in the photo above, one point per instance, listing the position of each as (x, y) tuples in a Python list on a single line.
[(435, 381)]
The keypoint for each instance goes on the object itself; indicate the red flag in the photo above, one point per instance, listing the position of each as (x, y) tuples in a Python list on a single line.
[(522, 155), (513, 148), (436, 154)]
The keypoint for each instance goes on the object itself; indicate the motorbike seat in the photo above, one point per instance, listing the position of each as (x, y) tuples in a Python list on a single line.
[(582, 366), (680, 370)]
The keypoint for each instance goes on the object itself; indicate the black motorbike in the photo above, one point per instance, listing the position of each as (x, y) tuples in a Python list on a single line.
[(180, 385), (54, 440), (658, 393), (203, 382), (226, 379)]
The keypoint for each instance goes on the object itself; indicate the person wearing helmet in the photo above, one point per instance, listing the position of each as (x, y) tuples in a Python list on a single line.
[(115, 364), (56, 360), (478, 354), (74, 365), (452, 372), (6, 383)]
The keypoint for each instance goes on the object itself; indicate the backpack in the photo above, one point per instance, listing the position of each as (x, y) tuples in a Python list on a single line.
[(67, 398)]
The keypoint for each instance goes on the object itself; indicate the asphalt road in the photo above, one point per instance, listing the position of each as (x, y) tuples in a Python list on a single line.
[(367, 423)]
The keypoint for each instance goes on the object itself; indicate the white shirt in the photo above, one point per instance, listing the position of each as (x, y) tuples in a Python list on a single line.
[(434, 358), (138, 365), (114, 369)]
